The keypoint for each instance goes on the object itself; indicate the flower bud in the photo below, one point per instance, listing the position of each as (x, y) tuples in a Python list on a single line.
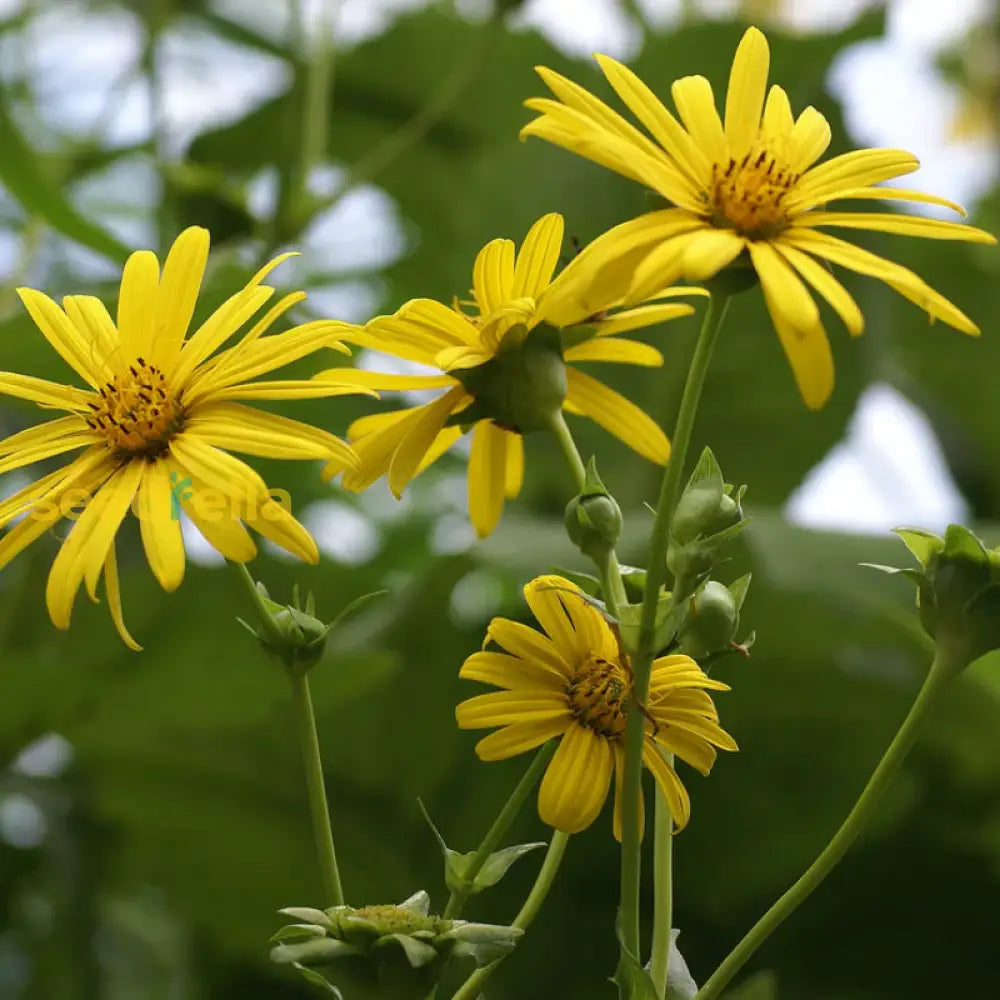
[(707, 516), (406, 946), (522, 386), (593, 519), (958, 591)]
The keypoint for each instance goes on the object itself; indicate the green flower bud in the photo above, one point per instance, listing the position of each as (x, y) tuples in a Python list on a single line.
[(405, 945), (712, 621), (522, 386), (292, 633), (958, 591), (593, 519), (707, 516)]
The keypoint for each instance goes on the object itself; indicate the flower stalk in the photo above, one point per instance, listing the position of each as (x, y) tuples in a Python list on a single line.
[(942, 670), (642, 657)]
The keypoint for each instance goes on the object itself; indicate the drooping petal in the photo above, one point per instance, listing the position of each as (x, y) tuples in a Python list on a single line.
[(514, 473), (487, 476), (669, 784), (419, 437), (617, 415), (272, 520), (114, 595), (827, 286), (576, 781), (160, 526)]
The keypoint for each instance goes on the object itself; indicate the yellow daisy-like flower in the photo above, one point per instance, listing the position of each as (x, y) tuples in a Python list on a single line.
[(749, 186), (514, 294), (156, 420), (571, 683)]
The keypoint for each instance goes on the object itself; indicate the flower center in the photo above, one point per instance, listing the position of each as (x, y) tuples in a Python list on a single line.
[(137, 412), (598, 696), (747, 194), (392, 919)]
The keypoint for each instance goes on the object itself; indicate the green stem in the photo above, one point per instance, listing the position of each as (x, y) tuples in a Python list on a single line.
[(499, 828), (642, 659), (942, 670), (469, 990), (610, 573), (663, 895), (305, 724)]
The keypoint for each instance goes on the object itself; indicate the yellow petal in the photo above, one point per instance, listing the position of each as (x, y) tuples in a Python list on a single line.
[(514, 473), (114, 595), (85, 550), (37, 439), (538, 256), (502, 708), (493, 275), (667, 131), (217, 469), (67, 341), (617, 349), (618, 416), (883, 192), (160, 526), (487, 474), (529, 644), (419, 437), (905, 225), (827, 286), (287, 389), (137, 303), (902, 279), (380, 380), (696, 106), (670, 785), (745, 96), (808, 140), (44, 392), (511, 672), (640, 317), (576, 781), (177, 294), (859, 168), (697, 752), (708, 251), (777, 122), (276, 523), (663, 265), (797, 325), (518, 738), (543, 596)]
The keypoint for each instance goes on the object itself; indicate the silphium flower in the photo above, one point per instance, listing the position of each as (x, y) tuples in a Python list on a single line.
[(154, 423), (572, 684), (506, 367), (749, 189)]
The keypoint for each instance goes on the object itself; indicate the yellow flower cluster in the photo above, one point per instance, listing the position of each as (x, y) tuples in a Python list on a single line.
[(159, 408)]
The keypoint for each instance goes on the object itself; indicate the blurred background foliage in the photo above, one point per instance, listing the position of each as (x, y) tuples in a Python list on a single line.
[(152, 814)]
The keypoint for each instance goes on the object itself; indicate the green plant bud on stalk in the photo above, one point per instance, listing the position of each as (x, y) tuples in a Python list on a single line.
[(292, 633), (593, 518), (707, 516), (522, 387), (958, 590), (405, 945), (712, 621)]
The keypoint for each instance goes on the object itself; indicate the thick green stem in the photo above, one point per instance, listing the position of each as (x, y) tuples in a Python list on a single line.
[(305, 725), (942, 670), (500, 826), (469, 990), (663, 893), (642, 659)]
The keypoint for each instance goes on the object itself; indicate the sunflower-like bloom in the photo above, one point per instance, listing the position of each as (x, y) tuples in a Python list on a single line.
[(572, 683), (488, 356), (749, 187), (156, 420)]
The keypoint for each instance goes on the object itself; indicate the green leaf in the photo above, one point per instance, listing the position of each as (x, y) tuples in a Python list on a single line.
[(923, 544), (317, 979), (26, 178)]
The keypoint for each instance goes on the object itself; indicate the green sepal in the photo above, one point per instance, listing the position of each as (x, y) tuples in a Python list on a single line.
[(713, 618), (317, 979), (418, 953), (483, 943), (297, 932), (493, 868), (324, 949), (632, 980), (923, 544)]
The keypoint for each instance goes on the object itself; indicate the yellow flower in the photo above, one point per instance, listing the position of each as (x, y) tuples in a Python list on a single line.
[(747, 187), (157, 412), (514, 294), (572, 683)]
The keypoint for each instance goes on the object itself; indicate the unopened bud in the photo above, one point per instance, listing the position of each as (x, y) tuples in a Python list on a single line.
[(593, 519)]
